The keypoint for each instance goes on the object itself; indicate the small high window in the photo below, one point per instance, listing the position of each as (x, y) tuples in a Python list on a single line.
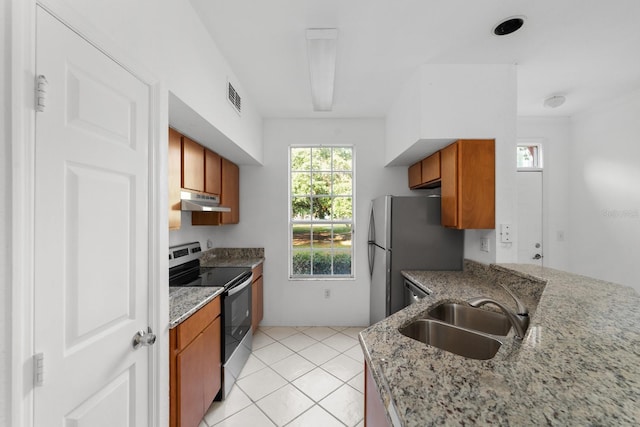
[(529, 156)]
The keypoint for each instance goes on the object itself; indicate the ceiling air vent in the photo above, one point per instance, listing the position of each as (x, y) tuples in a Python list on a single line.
[(234, 98)]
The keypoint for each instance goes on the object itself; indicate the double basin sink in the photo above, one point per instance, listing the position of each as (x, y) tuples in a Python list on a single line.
[(461, 329)]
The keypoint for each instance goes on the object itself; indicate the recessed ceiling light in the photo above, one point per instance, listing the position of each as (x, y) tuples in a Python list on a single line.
[(508, 26), (554, 101)]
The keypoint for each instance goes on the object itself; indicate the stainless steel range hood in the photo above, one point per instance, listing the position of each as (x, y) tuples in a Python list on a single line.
[(197, 202)]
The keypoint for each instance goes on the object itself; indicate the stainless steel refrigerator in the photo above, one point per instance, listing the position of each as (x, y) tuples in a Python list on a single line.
[(405, 234)]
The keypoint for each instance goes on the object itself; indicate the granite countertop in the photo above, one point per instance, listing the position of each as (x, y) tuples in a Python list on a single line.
[(186, 300), (579, 363), (232, 257)]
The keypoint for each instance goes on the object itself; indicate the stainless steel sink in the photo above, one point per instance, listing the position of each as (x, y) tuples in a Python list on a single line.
[(469, 317), (452, 339)]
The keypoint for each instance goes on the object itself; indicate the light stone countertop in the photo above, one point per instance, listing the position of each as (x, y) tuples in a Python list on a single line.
[(579, 363), (186, 300), (232, 257)]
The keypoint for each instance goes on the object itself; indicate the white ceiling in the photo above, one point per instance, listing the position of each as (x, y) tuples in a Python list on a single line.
[(588, 50)]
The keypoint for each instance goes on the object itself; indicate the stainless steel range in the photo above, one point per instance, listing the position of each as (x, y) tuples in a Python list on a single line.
[(185, 270)]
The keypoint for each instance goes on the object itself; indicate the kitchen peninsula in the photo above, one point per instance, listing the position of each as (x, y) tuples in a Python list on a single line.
[(577, 365)]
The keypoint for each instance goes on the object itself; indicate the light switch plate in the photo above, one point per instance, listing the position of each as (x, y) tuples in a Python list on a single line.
[(484, 244)]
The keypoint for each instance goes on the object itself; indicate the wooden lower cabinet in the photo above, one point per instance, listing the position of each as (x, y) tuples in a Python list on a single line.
[(257, 298), (195, 369), (375, 414)]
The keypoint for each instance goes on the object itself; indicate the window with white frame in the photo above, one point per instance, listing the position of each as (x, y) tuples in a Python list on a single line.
[(529, 156), (321, 201)]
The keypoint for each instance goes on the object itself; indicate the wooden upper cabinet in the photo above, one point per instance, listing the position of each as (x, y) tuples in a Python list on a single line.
[(449, 187), (212, 174), (230, 195), (425, 173), (174, 167), (468, 184), (192, 165), (431, 168), (415, 175)]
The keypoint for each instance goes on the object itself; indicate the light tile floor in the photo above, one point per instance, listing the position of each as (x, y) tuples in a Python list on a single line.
[(297, 377)]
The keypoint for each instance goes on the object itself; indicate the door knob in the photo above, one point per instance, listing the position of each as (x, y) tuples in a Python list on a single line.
[(537, 256), (143, 338)]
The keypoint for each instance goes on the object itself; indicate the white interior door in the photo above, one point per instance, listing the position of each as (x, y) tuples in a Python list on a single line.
[(91, 235), (530, 217)]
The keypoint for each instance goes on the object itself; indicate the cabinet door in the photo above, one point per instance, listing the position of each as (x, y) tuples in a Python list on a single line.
[(374, 411), (212, 175), (190, 405), (449, 187), (174, 167), (256, 303), (212, 366), (476, 184), (230, 195), (192, 165), (431, 168), (415, 175)]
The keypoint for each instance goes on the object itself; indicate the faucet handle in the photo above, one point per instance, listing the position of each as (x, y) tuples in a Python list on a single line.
[(522, 309)]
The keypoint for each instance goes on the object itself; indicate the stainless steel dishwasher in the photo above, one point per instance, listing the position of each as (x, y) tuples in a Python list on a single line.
[(413, 293)]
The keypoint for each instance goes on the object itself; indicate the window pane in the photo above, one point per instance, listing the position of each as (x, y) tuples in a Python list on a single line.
[(300, 159), (341, 236), (342, 184), (301, 208), (321, 262), (342, 208), (321, 159), (322, 183), (301, 262), (300, 183), (342, 158), (321, 207), (301, 236), (321, 236), (528, 156), (342, 262)]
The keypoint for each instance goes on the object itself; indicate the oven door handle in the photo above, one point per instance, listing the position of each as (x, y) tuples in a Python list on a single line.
[(240, 287)]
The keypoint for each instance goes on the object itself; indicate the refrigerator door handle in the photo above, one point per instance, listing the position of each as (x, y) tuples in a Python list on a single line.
[(372, 240), (372, 225), (372, 257)]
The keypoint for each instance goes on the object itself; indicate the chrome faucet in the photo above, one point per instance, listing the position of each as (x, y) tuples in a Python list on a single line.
[(519, 319)]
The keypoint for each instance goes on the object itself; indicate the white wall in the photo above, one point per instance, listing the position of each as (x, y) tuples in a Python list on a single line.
[(195, 233), (5, 214), (605, 191), (264, 213), (168, 38), (555, 136), (465, 101)]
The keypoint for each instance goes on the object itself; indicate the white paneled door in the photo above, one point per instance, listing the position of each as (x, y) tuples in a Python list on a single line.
[(91, 235), (530, 249)]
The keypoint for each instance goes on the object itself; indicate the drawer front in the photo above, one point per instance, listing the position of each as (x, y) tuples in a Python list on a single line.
[(257, 271), (194, 325)]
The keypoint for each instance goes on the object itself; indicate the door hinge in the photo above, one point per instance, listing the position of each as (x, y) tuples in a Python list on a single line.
[(38, 369), (41, 93)]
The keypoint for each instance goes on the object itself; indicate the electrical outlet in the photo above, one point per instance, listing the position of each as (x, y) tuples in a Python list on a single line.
[(505, 233), (327, 293), (484, 244)]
